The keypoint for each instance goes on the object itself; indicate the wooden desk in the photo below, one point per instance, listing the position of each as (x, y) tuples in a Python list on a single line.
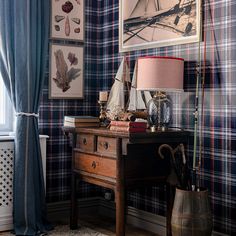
[(119, 161)]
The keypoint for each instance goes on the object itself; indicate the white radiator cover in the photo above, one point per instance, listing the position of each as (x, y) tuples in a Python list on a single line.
[(6, 178)]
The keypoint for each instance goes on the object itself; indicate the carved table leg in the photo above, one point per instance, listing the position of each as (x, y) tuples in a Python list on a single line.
[(120, 193), (73, 207)]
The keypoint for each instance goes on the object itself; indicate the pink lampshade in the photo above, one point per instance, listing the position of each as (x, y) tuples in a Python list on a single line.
[(160, 74)]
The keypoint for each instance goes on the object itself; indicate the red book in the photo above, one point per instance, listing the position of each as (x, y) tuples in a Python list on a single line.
[(128, 129), (132, 124)]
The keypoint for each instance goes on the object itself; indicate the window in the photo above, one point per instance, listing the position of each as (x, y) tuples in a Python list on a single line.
[(6, 111)]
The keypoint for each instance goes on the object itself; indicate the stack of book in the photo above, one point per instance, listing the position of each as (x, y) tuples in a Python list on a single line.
[(81, 121), (128, 126)]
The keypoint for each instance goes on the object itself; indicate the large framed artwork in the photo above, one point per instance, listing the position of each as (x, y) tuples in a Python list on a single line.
[(156, 23), (67, 19), (66, 71)]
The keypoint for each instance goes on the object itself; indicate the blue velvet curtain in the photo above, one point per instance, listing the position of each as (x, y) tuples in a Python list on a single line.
[(23, 49)]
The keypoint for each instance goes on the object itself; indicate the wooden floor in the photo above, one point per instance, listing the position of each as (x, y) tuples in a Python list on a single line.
[(107, 226), (101, 224)]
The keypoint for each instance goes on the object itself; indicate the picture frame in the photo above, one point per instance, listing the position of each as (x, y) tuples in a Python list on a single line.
[(158, 23), (67, 20), (66, 71)]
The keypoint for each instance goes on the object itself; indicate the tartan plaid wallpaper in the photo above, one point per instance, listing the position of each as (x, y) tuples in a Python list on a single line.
[(218, 138)]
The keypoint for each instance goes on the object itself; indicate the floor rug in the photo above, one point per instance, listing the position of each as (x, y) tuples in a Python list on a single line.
[(64, 230)]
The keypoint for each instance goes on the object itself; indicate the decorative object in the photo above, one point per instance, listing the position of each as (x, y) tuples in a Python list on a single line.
[(67, 19), (191, 214), (66, 71), (125, 103), (116, 103), (128, 126), (161, 75), (103, 115), (103, 96), (179, 175), (158, 23)]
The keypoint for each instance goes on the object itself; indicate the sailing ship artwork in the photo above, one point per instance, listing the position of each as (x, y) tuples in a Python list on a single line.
[(125, 102), (153, 23)]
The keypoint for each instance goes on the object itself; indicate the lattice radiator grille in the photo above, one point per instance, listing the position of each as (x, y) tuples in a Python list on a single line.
[(6, 179), (6, 183), (6, 176)]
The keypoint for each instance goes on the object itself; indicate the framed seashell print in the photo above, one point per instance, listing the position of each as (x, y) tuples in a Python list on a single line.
[(67, 19), (66, 71)]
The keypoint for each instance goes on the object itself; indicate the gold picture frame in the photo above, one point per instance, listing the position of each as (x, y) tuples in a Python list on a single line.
[(157, 23)]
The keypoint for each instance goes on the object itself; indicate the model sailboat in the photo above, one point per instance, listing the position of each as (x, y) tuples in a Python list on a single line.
[(136, 102), (116, 99), (116, 104)]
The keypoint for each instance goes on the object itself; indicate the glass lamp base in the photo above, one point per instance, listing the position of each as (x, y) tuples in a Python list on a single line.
[(159, 112)]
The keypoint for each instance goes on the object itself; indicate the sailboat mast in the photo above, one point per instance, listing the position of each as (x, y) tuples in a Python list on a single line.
[(145, 7), (157, 5)]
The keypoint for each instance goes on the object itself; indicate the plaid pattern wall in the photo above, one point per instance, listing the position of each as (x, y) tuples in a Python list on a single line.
[(218, 140), (52, 113)]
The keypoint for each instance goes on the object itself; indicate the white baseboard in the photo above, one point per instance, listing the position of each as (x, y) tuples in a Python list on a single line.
[(138, 218), (6, 223)]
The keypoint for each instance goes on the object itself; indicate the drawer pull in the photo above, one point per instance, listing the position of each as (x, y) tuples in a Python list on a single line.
[(84, 141), (94, 165), (105, 145)]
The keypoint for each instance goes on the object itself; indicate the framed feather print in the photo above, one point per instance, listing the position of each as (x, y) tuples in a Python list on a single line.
[(66, 72)]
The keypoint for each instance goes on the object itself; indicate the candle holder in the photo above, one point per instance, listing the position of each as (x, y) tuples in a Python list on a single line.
[(103, 115)]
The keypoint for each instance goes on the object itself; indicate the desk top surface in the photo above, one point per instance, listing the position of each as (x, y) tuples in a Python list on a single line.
[(148, 135)]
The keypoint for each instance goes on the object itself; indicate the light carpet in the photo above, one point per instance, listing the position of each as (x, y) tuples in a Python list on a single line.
[(65, 231)]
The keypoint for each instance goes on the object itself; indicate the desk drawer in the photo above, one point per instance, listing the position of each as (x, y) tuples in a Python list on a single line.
[(106, 146), (95, 164), (86, 142)]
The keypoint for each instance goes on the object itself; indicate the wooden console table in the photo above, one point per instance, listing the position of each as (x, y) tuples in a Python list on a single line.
[(119, 161)]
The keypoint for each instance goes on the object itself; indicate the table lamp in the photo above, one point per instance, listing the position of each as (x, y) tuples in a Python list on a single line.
[(161, 75)]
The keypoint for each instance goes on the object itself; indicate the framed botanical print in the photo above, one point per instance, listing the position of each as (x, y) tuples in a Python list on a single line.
[(156, 23), (66, 71), (67, 19)]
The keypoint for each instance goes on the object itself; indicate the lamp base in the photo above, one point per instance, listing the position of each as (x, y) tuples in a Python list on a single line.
[(160, 129), (159, 112), (153, 128)]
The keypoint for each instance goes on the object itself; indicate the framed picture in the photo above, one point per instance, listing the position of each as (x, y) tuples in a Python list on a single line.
[(66, 71), (157, 23), (67, 19)]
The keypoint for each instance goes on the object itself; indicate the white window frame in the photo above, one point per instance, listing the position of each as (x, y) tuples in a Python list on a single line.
[(7, 109)]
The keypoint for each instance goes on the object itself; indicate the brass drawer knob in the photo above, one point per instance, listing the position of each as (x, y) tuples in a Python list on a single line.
[(94, 164), (84, 141), (105, 145)]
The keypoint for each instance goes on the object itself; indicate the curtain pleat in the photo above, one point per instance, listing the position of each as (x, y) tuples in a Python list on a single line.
[(23, 48)]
